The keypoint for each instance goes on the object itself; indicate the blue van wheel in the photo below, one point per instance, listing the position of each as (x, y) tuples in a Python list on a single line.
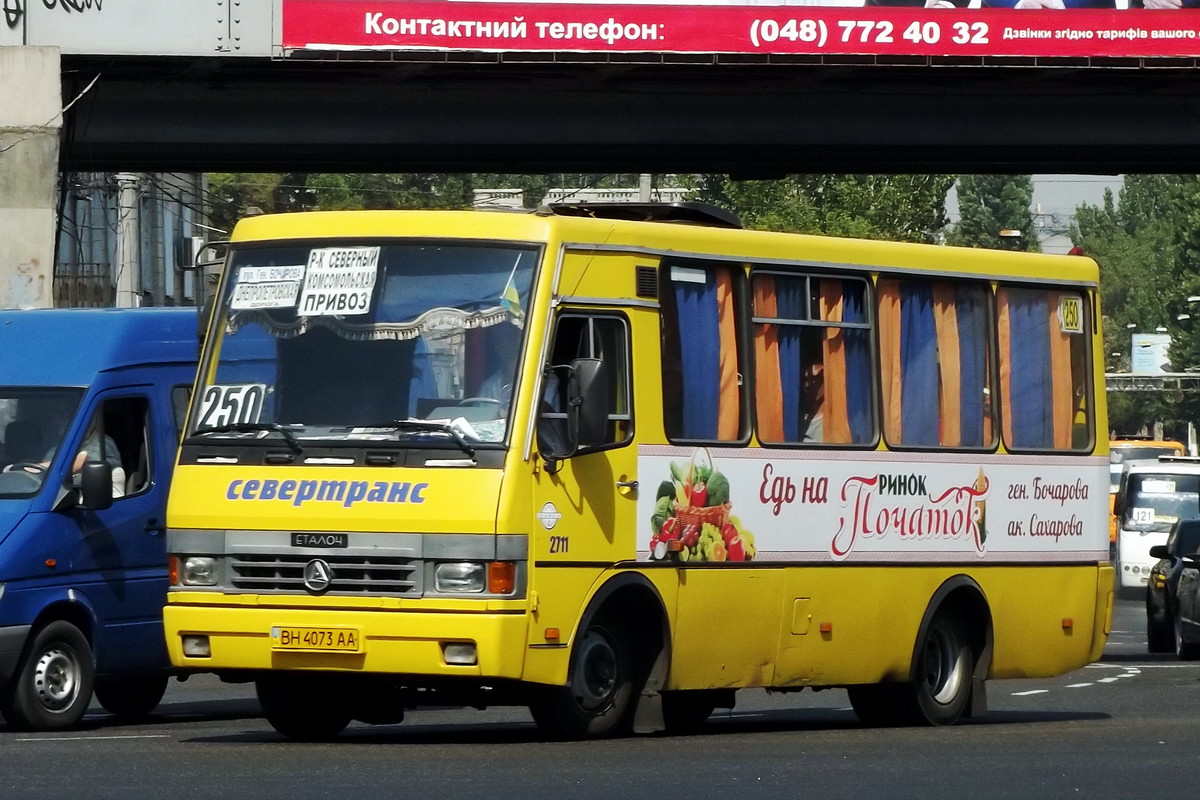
[(53, 686)]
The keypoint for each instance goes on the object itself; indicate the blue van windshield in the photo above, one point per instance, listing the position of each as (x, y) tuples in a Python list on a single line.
[(339, 342), (32, 424)]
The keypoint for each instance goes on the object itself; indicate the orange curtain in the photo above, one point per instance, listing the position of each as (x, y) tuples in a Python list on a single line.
[(1061, 383), (945, 320), (1004, 333), (889, 356), (729, 411), (769, 388), (834, 409)]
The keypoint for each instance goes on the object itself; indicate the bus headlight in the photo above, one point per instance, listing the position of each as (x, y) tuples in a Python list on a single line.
[(199, 571), (461, 577)]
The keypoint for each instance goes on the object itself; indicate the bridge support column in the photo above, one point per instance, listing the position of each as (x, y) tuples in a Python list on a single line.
[(30, 122)]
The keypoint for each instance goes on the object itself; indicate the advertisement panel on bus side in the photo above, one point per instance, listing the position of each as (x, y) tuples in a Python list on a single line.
[(1042, 28), (748, 504)]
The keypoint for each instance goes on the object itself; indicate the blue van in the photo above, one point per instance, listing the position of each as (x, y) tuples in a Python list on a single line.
[(91, 404)]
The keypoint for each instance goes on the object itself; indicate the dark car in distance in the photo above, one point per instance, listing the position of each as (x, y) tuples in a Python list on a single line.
[(1173, 593)]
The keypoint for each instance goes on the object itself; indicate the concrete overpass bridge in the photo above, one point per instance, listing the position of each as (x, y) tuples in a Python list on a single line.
[(334, 85)]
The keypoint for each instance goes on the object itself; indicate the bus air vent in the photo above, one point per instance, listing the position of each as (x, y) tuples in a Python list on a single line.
[(647, 282)]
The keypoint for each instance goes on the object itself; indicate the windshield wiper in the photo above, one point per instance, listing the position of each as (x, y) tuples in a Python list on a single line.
[(286, 431), (432, 427)]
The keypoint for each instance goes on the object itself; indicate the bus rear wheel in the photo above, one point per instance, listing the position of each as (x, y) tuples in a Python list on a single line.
[(598, 700), (941, 688), (685, 711), (302, 707)]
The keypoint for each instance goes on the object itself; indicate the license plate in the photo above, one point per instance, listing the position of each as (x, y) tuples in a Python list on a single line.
[(339, 640)]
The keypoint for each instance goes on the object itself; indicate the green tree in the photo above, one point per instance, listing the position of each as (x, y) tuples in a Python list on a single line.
[(1146, 246), (903, 207), (990, 204), (233, 195)]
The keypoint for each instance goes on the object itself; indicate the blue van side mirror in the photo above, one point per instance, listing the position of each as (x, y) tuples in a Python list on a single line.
[(95, 486)]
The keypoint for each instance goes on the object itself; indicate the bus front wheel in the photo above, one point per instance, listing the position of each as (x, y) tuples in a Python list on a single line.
[(597, 701), (941, 688), (131, 698), (302, 707)]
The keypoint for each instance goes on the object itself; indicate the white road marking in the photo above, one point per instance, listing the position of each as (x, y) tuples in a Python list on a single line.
[(95, 738), (1077, 685), (1141, 667), (1106, 680), (1031, 691)]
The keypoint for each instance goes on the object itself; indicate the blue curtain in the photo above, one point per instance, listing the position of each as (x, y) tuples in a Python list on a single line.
[(920, 414), (972, 349), (858, 362), (699, 352), (790, 304), (1029, 355)]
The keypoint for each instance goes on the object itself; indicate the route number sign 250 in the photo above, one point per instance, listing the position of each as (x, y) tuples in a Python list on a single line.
[(231, 404)]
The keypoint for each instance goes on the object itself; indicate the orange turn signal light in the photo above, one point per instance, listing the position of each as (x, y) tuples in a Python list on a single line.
[(502, 577), (51, 563), (173, 570), (826, 627), (551, 633), (1068, 623)]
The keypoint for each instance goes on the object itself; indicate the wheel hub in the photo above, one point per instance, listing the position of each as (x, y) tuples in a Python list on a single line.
[(56, 679), (944, 665), (597, 676)]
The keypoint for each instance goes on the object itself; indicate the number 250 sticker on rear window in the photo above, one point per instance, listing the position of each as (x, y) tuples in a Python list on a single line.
[(339, 280)]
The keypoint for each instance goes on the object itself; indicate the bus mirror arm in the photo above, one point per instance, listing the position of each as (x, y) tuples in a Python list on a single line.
[(554, 434), (587, 413)]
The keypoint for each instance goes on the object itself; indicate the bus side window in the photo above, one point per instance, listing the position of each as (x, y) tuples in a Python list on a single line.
[(936, 362), (1044, 383), (702, 370), (812, 359)]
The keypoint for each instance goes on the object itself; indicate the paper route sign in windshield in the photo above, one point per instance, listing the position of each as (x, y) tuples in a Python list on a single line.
[(339, 280)]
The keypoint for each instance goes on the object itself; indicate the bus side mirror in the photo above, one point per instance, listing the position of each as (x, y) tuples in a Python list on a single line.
[(588, 402), (96, 486)]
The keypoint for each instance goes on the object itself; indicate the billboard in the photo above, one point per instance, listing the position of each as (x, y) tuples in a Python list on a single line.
[(943, 28), (1148, 355)]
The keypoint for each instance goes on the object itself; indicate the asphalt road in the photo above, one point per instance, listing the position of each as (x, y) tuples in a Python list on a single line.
[(1126, 726)]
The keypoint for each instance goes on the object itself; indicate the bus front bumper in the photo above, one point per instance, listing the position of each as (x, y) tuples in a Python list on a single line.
[(209, 638)]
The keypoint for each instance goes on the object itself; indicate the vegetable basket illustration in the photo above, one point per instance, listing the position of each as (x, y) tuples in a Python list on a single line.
[(693, 518)]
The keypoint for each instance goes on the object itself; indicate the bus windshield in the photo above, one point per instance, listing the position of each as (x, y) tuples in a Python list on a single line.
[(1156, 501), (1119, 454), (356, 343)]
